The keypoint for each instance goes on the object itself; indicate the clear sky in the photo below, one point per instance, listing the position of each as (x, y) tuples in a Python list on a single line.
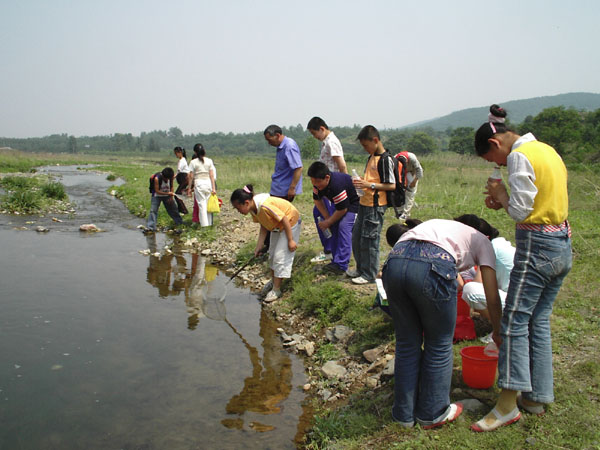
[(99, 67)]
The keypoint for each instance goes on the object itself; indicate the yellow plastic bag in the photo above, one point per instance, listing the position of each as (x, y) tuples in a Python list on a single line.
[(210, 273), (212, 206)]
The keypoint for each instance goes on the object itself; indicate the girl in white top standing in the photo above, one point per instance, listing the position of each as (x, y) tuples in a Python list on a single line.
[(181, 177), (202, 179)]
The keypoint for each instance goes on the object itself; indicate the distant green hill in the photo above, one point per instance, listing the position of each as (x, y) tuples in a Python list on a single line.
[(517, 110)]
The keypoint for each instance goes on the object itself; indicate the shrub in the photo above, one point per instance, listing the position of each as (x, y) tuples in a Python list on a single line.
[(54, 189), (22, 200)]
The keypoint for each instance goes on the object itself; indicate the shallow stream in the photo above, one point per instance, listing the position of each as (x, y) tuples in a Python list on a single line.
[(103, 347)]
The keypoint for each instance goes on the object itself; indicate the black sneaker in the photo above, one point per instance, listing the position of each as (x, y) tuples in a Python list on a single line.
[(333, 268)]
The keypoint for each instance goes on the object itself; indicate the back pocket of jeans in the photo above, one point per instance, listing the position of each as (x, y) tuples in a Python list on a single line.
[(441, 282)]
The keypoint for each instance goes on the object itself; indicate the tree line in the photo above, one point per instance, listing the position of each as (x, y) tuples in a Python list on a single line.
[(574, 134)]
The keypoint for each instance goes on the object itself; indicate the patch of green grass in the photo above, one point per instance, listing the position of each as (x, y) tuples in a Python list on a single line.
[(111, 177), (53, 189), (327, 352), (22, 201)]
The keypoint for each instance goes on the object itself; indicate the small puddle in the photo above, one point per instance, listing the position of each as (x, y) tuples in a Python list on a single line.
[(103, 347)]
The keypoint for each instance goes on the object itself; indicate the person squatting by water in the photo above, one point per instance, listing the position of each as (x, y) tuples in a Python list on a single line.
[(332, 155), (539, 204), (202, 179), (337, 188), (373, 204), (161, 191), (182, 177), (420, 278), (282, 219)]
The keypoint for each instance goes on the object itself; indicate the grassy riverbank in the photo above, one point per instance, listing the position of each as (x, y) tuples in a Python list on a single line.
[(452, 186)]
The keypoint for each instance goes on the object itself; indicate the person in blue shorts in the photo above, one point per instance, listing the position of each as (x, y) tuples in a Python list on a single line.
[(338, 188)]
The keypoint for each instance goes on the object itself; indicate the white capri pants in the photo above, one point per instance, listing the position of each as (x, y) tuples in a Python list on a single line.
[(280, 257), (474, 295)]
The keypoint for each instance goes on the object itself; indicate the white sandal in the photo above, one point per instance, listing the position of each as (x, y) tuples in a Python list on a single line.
[(500, 420)]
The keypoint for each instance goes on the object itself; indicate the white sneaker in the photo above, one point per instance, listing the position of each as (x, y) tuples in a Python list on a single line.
[(322, 257), (272, 296), (266, 288), (352, 273), (402, 218), (361, 280)]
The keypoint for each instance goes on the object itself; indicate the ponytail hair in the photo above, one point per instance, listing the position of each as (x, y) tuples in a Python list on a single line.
[(479, 224), (199, 151), (242, 195), (180, 150), (395, 232), (494, 125)]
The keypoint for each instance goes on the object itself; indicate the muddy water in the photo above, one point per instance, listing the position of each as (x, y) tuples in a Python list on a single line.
[(103, 347)]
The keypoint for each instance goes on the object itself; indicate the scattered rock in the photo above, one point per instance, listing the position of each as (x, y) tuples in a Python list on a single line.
[(531, 440), (41, 229), (309, 348), (306, 387), (388, 370), (325, 394), (473, 405), (331, 369), (342, 332), (371, 355), (205, 252), (88, 227), (371, 382)]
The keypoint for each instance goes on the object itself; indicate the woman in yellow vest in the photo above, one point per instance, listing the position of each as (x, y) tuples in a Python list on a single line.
[(282, 219), (539, 204)]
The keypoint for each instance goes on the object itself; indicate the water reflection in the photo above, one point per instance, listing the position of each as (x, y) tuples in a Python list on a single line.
[(270, 382)]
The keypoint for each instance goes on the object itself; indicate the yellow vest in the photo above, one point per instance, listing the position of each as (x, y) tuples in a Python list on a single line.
[(551, 203)]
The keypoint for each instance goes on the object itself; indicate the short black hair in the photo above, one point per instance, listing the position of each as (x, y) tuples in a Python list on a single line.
[(318, 170), (316, 123), (242, 195), (395, 232), (272, 130), (168, 173), (368, 133)]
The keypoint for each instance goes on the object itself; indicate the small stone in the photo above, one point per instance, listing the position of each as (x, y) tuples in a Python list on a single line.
[(309, 348), (531, 440), (325, 394), (41, 229), (371, 382), (331, 369), (306, 387), (88, 227), (371, 355), (205, 252), (388, 370), (473, 405), (341, 332)]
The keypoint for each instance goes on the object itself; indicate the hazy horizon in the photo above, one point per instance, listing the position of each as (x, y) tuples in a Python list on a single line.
[(98, 68)]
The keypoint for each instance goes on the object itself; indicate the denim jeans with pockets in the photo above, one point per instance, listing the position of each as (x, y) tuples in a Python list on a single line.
[(420, 281)]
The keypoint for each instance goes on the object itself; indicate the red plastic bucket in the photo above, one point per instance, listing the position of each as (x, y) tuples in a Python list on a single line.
[(478, 369)]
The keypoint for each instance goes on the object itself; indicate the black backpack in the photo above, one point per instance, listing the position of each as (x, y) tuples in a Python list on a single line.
[(151, 185), (395, 198)]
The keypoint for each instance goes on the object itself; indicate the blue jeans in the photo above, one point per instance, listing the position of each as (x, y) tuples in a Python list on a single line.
[(420, 280), (365, 240), (542, 261), (170, 206)]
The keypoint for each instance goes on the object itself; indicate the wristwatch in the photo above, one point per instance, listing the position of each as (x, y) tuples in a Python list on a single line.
[(373, 186)]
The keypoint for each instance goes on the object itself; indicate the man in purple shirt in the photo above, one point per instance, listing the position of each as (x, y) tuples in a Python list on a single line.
[(286, 181)]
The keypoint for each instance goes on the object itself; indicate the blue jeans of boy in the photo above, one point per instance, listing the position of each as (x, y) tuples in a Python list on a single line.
[(542, 261), (170, 206), (365, 240), (420, 281)]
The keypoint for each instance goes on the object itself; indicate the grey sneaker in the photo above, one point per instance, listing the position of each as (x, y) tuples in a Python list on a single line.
[(272, 296), (267, 287), (352, 273)]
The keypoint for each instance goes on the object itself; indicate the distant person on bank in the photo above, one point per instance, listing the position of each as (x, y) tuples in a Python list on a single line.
[(202, 180), (161, 189), (414, 172), (332, 155), (339, 190), (181, 176)]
